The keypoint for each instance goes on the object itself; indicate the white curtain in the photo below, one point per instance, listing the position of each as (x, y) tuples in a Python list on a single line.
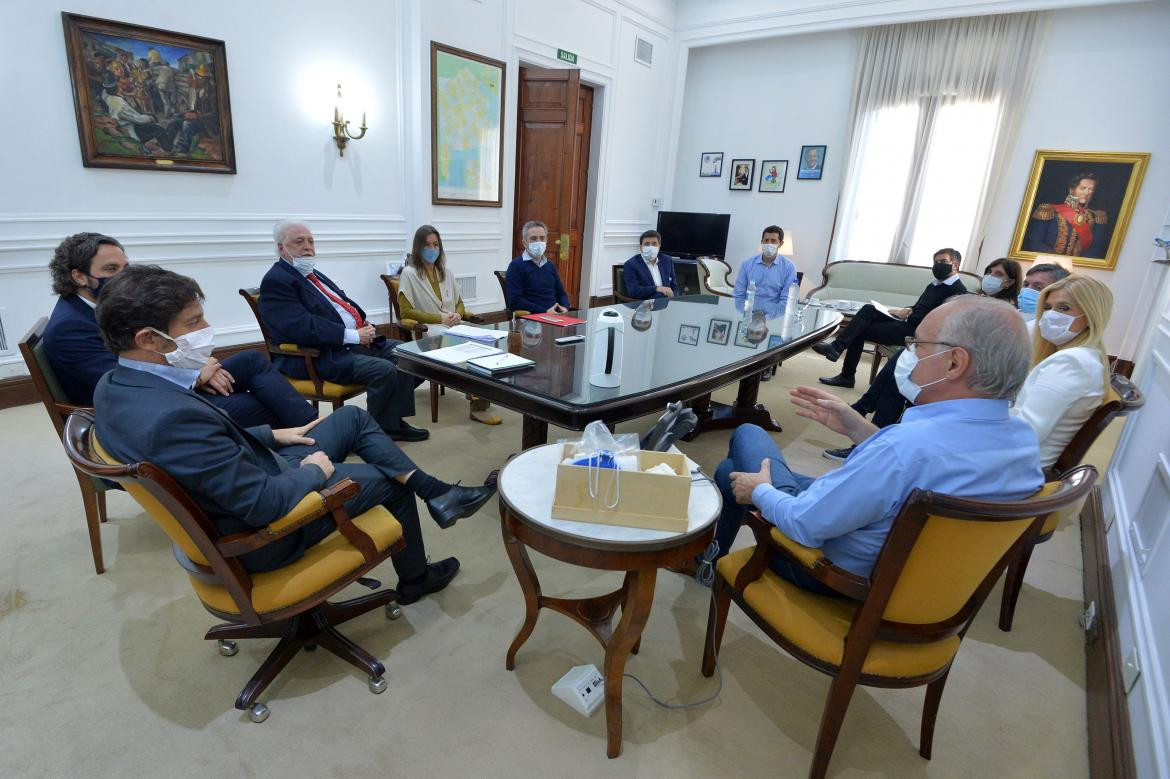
[(936, 106)]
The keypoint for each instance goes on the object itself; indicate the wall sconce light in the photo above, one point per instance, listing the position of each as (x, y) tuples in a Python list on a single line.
[(341, 127)]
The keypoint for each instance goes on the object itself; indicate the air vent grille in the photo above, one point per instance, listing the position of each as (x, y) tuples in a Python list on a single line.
[(643, 51), (466, 287)]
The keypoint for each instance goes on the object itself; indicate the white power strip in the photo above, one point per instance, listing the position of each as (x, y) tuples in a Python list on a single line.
[(582, 687)]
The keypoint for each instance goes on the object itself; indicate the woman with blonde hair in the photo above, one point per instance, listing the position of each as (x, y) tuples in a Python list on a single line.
[(1070, 372), (427, 293)]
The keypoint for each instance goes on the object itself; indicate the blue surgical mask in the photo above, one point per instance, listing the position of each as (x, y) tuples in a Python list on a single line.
[(991, 285), (1027, 300), (430, 254), (536, 249), (905, 366), (304, 265)]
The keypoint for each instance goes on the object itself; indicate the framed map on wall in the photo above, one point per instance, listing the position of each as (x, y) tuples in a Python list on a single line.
[(467, 129)]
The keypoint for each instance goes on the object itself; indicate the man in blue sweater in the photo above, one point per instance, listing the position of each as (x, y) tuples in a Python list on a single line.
[(532, 281)]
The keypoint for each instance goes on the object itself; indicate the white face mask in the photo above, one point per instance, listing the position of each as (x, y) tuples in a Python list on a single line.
[(536, 249), (649, 253), (770, 249), (304, 265), (192, 350), (905, 366), (1054, 327), (991, 284)]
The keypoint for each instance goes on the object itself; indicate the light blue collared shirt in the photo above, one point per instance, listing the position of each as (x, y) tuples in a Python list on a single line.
[(772, 281), (184, 377), (970, 448)]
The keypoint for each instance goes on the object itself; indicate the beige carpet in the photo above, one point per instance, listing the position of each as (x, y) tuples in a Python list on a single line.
[(108, 675)]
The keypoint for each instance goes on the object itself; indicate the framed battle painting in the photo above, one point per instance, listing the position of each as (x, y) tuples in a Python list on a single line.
[(1078, 205), (149, 99)]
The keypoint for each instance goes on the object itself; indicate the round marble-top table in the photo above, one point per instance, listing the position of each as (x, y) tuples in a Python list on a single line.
[(526, 487)]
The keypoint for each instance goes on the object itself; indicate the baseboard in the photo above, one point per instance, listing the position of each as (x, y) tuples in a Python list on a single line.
[(19, 390), (1110, 744)]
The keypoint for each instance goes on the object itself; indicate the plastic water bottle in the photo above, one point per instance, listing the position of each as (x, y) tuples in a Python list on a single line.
[(793, 299), (749, 304)]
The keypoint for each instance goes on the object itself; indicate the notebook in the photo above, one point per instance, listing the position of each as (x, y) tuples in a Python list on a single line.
[(500, 363)]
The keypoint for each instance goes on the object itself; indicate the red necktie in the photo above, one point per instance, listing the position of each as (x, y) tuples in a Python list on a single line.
[(349, 309)]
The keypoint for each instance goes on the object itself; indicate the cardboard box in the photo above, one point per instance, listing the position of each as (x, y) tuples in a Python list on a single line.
[(647, 500)]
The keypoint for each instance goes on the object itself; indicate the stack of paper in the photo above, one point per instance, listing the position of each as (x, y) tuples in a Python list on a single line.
[(460, 353), (481, 334), (501, 363)]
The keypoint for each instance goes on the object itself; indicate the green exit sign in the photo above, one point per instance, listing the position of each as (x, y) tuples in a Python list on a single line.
[(567, 56)]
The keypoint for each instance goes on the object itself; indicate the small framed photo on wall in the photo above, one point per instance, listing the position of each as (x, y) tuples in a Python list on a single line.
[(711, 165), (773, 174), (812, 163), (743, 172), (688, 334), (719, 332)]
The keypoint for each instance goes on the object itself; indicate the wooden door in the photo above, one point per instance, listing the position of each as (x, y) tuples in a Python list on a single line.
[(552, 164)]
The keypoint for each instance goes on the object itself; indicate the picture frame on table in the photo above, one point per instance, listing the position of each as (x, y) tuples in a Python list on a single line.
[(750, 337), (1078, 204), (743, 173), (711, 165), (773, 175), (812, 162), (719, 332), (689, 335)]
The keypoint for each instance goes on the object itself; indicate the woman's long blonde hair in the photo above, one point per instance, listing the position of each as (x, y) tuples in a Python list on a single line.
[(1095, 300)]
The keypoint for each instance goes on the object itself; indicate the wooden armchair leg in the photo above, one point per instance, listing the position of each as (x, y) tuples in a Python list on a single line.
[(94, 504), (875, 365), (1013, 581), (716, 622), (934, 692), (101, 505), (434, 402), (840, 693)]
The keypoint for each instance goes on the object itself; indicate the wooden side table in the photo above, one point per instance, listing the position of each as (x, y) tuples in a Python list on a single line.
[(526, 488)]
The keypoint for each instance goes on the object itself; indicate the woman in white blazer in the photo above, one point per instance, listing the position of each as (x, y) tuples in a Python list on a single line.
[(1070, 373)]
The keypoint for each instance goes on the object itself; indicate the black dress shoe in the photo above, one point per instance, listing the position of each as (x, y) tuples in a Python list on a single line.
[(840, 380), (408, 433), (438, 576), (457, 503), (827, 350)]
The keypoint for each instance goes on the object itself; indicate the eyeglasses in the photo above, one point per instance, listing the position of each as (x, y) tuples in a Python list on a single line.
[(912, 342)]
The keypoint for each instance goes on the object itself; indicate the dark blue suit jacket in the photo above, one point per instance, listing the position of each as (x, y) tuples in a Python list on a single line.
[(640, 284), (295, 312), (230, 471), (75, 349)]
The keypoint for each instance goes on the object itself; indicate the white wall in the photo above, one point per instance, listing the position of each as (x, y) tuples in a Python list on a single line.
[(363, 207), (764, 100), (1121, 84)]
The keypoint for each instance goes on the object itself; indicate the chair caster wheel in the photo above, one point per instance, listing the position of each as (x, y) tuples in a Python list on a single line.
[(310, 647), (378, 685), (258, 713), (393, 611), (228, 648)]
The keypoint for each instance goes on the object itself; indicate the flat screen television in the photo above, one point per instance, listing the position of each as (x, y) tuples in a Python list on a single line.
[(688, 234)]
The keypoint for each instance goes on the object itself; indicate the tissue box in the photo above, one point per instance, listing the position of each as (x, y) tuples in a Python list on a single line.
[(654, 501)]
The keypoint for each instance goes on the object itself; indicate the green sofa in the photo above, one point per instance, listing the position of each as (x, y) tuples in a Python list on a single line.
[(897, 286)]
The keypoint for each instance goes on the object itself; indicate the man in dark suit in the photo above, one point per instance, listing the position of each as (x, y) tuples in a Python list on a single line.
[(869, 324), (244, 385), (532, 281), (649, 274), (301, 305), (245, 478)]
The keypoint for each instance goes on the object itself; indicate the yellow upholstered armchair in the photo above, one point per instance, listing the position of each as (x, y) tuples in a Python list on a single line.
[(313, 388), (1121, 399), (289, 603), (93, 491), (901, 627)]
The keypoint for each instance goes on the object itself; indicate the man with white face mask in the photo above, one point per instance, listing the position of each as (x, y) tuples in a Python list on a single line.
[(649, 273), (532, 280), (958, 439), (301, 305), (247, 478), (244, 385), (770, 271)]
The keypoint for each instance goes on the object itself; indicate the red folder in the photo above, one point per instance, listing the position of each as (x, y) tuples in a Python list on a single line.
[(560, 320)]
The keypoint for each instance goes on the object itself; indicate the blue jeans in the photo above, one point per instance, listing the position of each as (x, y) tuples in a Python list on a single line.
[(750, 446)]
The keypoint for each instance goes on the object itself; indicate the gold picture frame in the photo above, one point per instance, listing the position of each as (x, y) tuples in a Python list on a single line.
[(1078, 205)]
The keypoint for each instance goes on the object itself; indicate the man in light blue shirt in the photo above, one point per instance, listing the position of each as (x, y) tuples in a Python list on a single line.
[(772, 273), (970, 357)]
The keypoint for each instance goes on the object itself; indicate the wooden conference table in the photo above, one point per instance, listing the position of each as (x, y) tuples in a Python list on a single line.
[(689, 347)]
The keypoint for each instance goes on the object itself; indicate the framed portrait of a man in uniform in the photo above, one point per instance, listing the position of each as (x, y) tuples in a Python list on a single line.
[(1078, 205)]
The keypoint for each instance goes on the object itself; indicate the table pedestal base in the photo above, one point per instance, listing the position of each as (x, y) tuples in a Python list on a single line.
[(720, 416)]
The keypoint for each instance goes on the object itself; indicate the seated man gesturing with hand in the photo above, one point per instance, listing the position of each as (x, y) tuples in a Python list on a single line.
[(959, 439)]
